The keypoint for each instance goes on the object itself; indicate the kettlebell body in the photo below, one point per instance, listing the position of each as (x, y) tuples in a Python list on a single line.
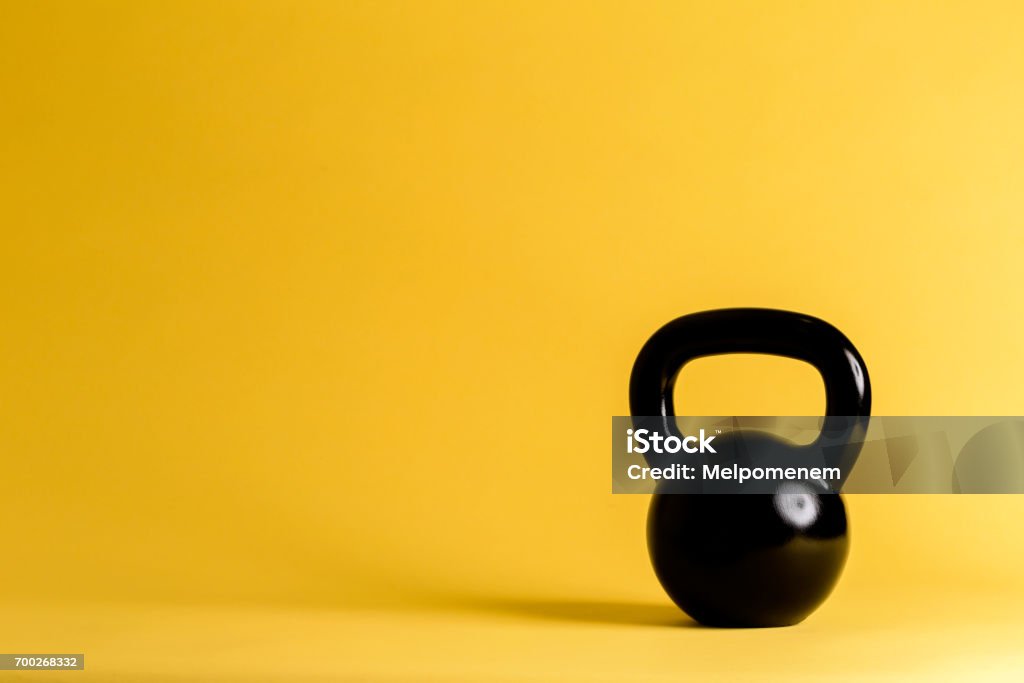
[(753, 559)]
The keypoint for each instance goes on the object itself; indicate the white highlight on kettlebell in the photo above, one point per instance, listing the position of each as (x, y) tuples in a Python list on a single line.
[(797, 504)]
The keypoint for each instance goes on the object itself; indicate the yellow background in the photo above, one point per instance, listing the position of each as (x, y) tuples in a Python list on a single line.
[(314, 316)]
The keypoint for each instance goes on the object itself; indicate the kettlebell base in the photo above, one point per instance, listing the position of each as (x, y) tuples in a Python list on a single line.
[(732, 623)]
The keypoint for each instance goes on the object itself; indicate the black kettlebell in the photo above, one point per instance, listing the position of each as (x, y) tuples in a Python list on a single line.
[(756, 559)]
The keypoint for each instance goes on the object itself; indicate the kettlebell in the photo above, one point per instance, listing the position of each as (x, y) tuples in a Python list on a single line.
[(753, 559)]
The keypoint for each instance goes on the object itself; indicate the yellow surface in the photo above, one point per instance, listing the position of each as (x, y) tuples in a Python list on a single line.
[(314, 315), (911, 637)]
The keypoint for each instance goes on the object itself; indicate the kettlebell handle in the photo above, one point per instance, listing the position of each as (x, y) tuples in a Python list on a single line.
[(760, 331)]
